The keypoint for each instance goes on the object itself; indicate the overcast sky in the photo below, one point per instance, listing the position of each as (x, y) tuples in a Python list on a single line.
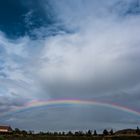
[(69, 49)]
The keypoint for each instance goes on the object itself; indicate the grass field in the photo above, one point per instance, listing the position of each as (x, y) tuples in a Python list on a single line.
[(36, 137)]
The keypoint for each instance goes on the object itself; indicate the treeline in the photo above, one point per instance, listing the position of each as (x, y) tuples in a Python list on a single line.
[(88, 133), (69, 133)]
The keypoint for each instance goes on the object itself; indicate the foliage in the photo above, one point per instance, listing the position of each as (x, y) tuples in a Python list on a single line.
[(111, 132), (89, 133), (17, 130), (105, 132), (95, 133), (138, 130), (2, 138)]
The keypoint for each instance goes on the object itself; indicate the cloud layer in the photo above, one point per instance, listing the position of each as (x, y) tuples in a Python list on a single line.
[(90, 51)]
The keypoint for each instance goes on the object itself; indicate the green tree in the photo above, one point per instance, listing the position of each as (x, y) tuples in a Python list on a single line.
[(31, 132), (111, 132), (63, 134), (69, 133), (78, 133), (105, 132), (17, 131), (95, 133), (138, 130), (24, 132), (59, 133), (89, 133)]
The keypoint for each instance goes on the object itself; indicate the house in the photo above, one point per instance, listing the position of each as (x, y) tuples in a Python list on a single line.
[(5, 129)]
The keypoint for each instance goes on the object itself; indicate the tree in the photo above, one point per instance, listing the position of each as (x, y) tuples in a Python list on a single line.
[(63, 134), (59, 133), (69, 133), (55, 134), (24, 132), (89, 133), (95, 133), (111, 132), (17, 131), (138, 130), (76, 133), (31, 132), (41, 133), (81, 133), (105, 132)]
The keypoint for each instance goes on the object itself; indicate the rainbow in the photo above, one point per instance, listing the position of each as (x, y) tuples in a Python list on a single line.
[(41, 103)]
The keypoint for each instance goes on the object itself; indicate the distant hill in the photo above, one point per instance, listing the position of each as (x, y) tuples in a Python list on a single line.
[(126, 131)]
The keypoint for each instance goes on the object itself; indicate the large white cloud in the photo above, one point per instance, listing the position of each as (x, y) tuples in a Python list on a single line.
[(102, 56)]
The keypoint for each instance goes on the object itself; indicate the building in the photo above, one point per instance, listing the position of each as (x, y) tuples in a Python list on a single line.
[(5, 129)]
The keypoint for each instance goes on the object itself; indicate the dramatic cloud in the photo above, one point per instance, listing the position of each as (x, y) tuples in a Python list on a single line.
[(100, 57), (83, 50)]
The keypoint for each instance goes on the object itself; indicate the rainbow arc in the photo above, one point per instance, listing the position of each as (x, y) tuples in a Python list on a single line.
[(41, 103)]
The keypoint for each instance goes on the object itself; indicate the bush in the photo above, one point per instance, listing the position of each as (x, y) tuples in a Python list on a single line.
[(1, 138)]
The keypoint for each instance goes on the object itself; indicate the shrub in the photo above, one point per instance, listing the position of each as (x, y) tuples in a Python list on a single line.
[(1, 138)]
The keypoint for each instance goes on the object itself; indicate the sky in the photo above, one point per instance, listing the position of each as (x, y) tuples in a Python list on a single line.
[(77, 50)]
